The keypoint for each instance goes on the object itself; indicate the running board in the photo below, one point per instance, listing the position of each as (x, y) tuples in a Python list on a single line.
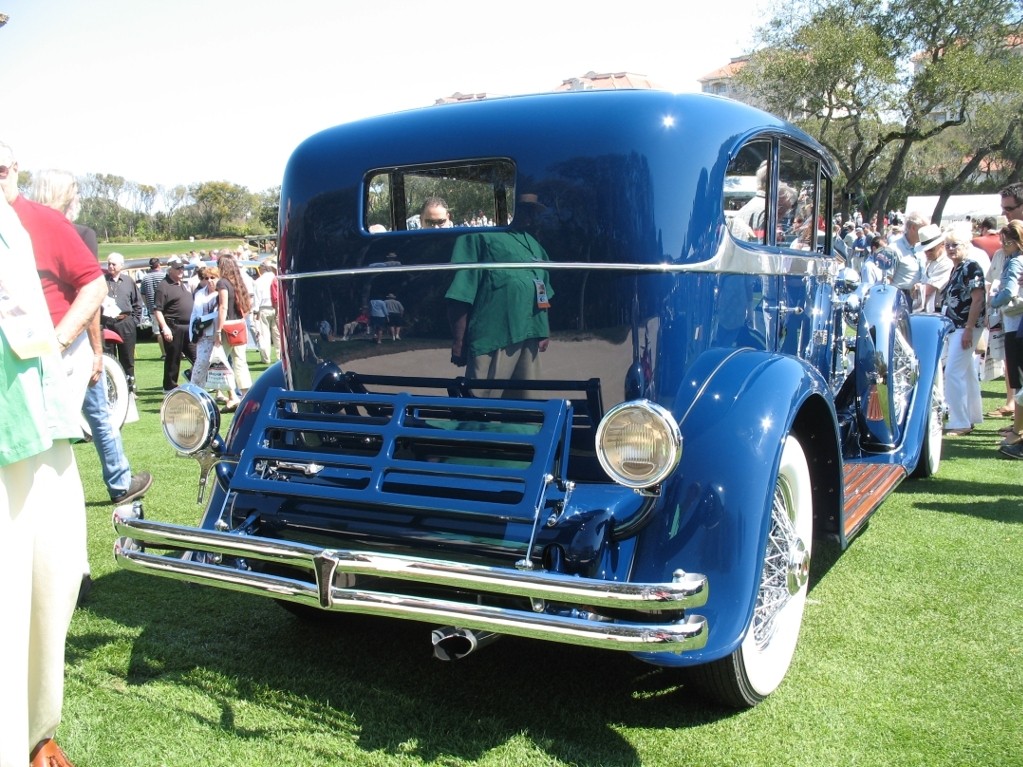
[(866, 487)]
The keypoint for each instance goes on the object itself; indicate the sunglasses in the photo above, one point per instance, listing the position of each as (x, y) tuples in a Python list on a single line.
[(5, 169)]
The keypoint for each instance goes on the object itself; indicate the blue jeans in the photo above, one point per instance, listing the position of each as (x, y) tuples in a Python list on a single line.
[(107, 439)]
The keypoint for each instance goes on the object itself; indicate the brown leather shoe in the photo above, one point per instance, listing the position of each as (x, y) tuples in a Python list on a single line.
[(49, 754)]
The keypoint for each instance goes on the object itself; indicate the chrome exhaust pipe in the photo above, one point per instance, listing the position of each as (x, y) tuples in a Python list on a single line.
[(451, 643)]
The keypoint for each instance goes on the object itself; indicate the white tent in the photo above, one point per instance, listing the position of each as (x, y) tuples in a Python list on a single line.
[(958, 208)]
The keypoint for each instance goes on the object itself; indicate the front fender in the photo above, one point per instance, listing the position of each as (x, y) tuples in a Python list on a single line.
[(735, 410), (886, 367), (929, 331)]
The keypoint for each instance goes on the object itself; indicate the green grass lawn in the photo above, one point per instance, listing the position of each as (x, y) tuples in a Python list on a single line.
[(132, 250), (910, 655)]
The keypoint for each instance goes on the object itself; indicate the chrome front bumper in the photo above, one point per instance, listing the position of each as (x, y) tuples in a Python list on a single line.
[(333, 576)]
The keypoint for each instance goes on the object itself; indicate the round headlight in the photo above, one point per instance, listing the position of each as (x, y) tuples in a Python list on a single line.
[(190, 418), (638, 443)]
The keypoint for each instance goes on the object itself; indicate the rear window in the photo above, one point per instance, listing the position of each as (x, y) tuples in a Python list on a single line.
[(471, 193)]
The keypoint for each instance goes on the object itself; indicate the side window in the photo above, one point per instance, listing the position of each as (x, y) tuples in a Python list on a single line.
[(800, 222), (466, 194), (746, 183)]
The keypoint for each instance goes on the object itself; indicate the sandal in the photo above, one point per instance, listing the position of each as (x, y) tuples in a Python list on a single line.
[(1002, 412), (230, 407), (1011, 439), (49, 754)]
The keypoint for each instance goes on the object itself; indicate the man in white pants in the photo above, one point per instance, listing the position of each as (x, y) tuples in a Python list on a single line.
[(265, 308)]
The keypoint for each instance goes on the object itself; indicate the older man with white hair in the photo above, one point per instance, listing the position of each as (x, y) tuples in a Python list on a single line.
[(122, 312), (908, 269), (937, 268)]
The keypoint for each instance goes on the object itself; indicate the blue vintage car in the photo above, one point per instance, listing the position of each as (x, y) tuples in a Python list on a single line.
[(575, 367)]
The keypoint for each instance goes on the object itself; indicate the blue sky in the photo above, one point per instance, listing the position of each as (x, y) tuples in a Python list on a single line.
[(180, 91)]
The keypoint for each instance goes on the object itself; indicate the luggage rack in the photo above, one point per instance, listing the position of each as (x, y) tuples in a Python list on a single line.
[(503, 459)]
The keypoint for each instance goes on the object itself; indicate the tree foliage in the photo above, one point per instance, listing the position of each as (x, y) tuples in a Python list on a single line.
[(269, 208), (220, 201), (883, 83), (119, 209)]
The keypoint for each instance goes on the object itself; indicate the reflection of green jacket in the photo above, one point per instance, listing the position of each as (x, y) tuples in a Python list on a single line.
[(504, 301)]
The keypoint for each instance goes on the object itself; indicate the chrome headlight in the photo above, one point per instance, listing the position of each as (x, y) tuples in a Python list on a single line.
[(638, 443), (190, 418)]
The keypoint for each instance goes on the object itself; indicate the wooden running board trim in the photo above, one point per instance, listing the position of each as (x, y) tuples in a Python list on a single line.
[(866, 487)]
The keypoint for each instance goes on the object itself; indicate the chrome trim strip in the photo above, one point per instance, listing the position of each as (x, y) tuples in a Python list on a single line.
[(449, 267), (687, 591), (680, 636), (732, 257)]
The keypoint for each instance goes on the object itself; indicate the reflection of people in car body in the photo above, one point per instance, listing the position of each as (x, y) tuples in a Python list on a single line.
[(499, 316), (359, 325)]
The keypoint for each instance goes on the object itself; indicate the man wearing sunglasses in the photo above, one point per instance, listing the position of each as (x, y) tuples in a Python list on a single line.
[(1012, 201), (435, 214)]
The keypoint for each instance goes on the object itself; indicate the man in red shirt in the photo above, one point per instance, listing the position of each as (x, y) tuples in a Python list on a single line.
[(73, 283)]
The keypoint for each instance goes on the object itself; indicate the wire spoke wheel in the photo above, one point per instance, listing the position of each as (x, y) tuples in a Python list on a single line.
[(759, 665)]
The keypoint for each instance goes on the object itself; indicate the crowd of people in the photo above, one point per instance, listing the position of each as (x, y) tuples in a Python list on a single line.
[(190, 298), (973, 279), (57, 303)]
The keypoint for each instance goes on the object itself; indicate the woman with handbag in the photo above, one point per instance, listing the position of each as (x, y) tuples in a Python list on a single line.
[(204, 321), (235, 305), (1009, 302)]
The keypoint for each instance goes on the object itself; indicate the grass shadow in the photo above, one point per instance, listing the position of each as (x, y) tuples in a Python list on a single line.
[(991, 492), (380, 675)]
